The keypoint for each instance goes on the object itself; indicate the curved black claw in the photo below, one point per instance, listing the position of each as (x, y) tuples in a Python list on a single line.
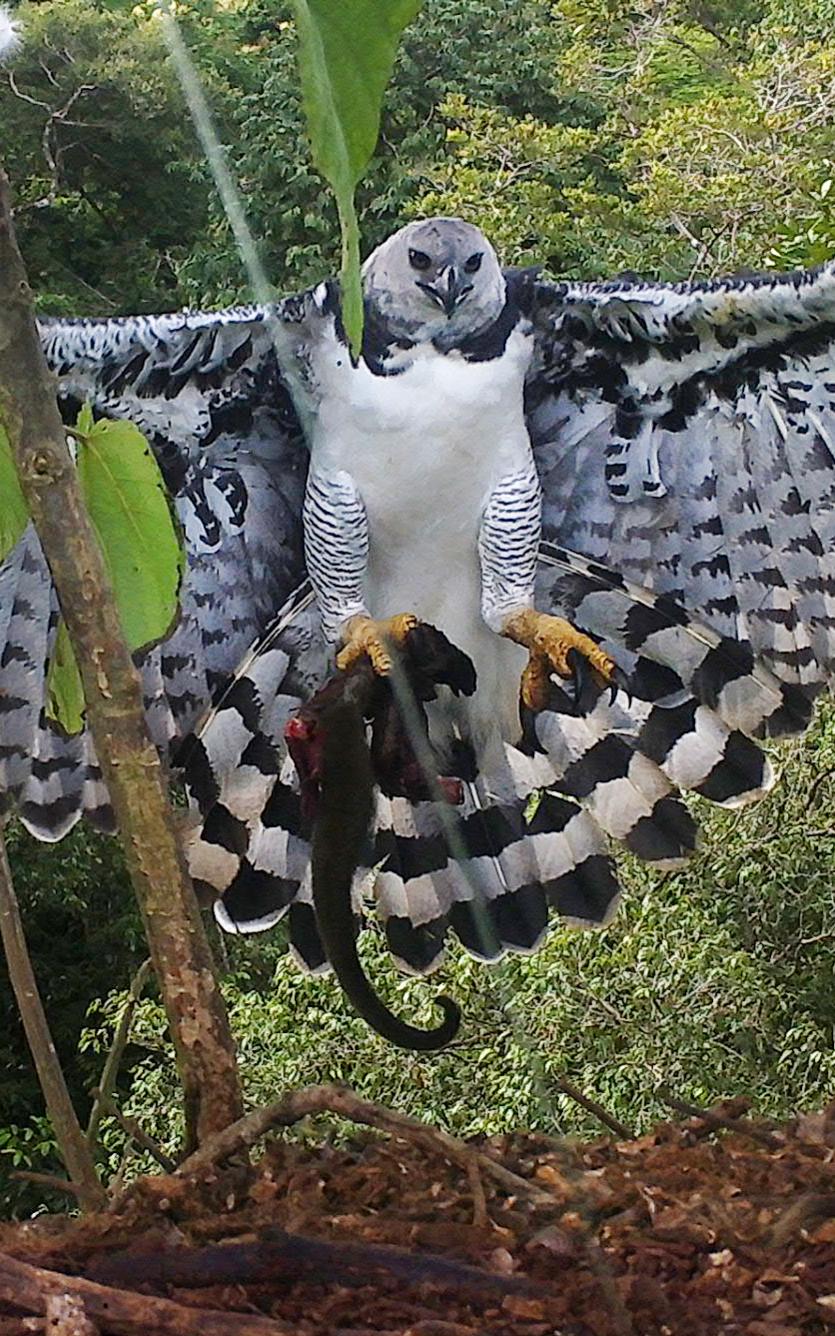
[(433, 660)]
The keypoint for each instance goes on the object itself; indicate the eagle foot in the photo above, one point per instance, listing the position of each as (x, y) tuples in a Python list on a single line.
[(365, 636), (549, 642)]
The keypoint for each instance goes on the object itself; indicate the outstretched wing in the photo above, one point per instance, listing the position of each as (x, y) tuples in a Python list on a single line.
[(207, 392), (685, 439)]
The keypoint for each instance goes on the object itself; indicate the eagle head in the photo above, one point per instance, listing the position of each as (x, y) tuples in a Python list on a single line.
[(435, 279)]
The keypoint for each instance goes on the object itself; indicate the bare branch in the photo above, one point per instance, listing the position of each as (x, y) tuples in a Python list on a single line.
[(120, 1038)]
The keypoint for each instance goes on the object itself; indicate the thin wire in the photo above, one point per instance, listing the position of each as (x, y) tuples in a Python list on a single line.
[(230, 197), (227, 187)]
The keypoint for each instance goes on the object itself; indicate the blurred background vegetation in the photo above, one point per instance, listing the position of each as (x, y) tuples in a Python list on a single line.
[(593, 137)]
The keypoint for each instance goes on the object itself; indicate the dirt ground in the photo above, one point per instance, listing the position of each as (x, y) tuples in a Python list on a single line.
[(695, 1229)]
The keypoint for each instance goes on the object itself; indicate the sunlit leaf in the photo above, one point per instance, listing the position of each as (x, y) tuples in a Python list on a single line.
[(346, 56), (128, 506), (127, 503), (13, 513)]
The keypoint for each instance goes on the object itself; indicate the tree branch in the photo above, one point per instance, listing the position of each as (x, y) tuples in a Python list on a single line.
[(130, 763), (339, 1099), (120, 1038), (29, 1287), (72, 1143)]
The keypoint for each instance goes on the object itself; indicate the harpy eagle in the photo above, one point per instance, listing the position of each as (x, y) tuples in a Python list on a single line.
[(618, 496)]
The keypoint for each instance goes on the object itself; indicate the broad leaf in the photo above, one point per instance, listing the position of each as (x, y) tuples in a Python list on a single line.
[(64, 692), (13, 513), (128, 506), (127, 503), (346, 56)]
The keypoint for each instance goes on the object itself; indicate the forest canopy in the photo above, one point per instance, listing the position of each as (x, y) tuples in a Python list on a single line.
[(671, 140)]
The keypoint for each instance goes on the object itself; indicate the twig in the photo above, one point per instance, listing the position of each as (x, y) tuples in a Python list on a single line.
[(591, 1106), (135, 1132), (52, 1181), (711, 1119), (28, 1287), (816, 785), (120, 1038), (130, 762), (72, 1145), (339, 1099), (481, 1216)]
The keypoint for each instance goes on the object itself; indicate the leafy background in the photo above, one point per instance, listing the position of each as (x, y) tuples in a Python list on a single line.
[(593, 137)]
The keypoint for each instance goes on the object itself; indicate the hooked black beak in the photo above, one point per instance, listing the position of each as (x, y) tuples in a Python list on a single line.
[(450, 289)]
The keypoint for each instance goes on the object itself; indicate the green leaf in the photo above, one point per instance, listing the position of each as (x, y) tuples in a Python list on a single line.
[(64, 692), (128, 505), (346, 56), (13, 513), (129, 509)]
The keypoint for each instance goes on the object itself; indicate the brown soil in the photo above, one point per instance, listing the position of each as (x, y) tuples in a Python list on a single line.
[(689, 1231)]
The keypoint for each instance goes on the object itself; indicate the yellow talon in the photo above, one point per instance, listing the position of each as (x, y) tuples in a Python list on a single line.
[(367, 636), (548, 641)]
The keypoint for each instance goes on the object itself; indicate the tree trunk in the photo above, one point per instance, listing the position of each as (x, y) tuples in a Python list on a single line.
[(182, 959)]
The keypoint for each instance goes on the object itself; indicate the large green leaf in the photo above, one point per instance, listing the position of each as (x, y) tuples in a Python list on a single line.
[(13, 513), (128, 506), (346, 56)]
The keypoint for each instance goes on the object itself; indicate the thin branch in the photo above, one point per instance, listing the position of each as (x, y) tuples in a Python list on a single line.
[(131, 764), (591, 1106), (51, 1181), (715, 1120), (120, 1038), (134, 1131), (339, 1099), (283, 1258), (71, 1141)]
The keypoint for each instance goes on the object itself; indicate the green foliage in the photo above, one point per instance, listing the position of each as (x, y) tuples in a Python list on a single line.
[(64, 692), (85, 938), (129, 508), (14, 515), (711, 151), (109, 184), (346, 54)]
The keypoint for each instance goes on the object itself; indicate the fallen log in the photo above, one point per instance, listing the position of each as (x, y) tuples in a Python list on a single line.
[(284, 1257), (123, 1313)]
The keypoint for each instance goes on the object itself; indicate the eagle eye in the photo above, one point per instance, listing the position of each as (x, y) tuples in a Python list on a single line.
[(419, 259), (473, 265)]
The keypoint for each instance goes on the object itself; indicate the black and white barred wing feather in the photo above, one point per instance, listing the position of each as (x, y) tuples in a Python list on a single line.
[(206, 391), (685, 440)]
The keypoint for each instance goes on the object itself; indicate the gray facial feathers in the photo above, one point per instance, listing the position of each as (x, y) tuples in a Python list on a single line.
[(435, 279)]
